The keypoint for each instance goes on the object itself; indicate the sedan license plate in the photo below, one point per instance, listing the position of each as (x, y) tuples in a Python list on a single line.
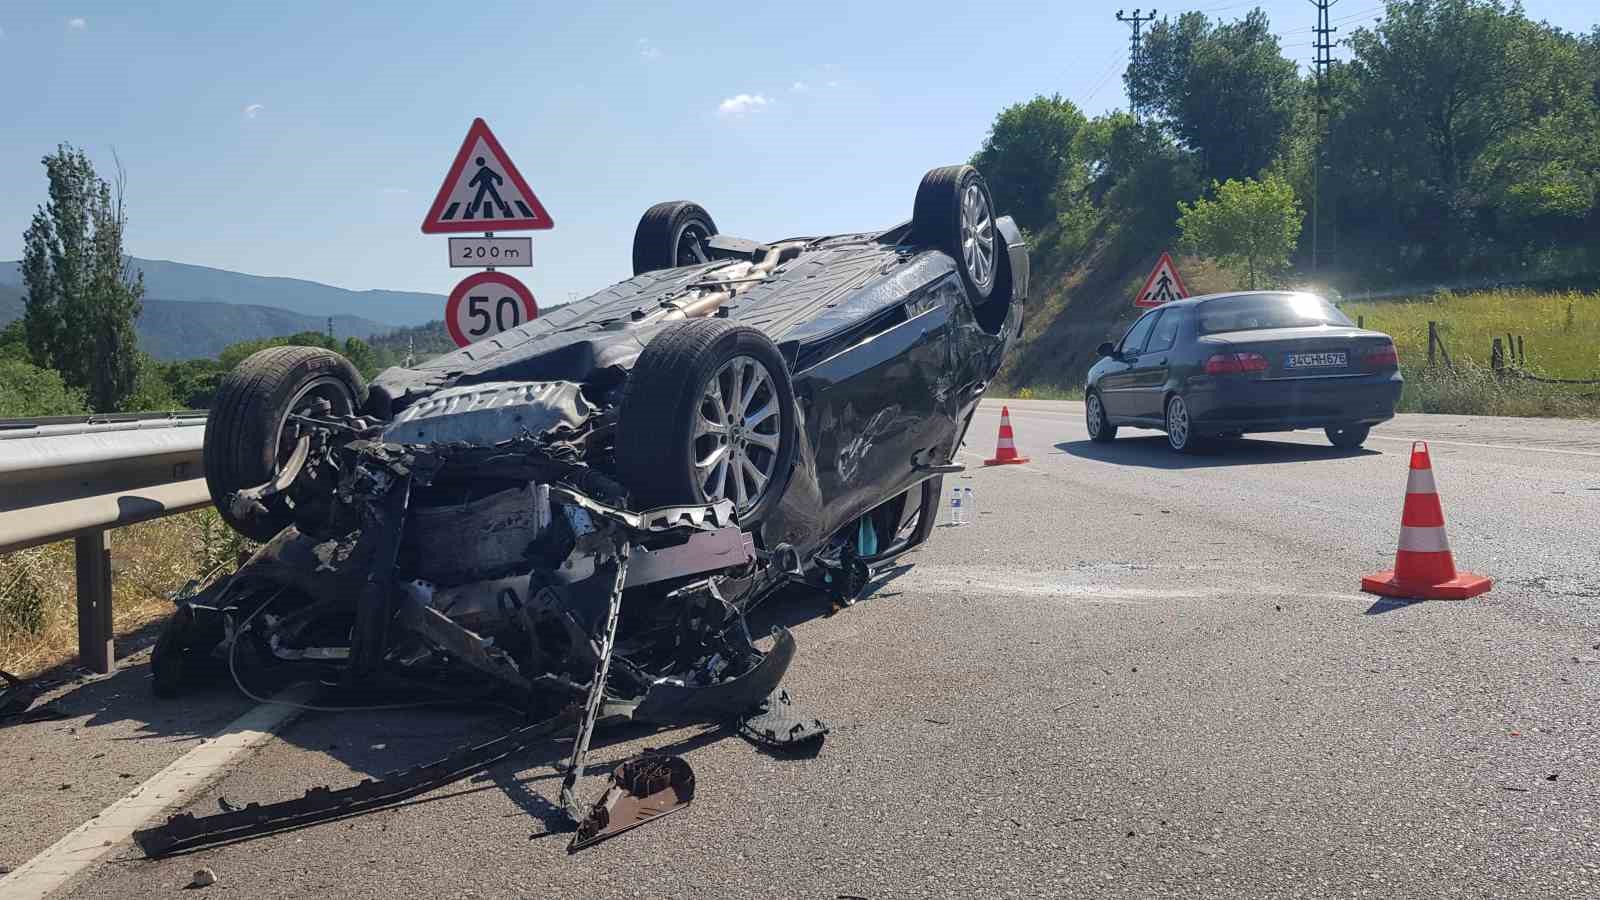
[(1326, 360)]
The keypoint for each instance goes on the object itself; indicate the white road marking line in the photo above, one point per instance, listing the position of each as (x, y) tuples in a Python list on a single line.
[(1282, 435), (1432, 441), (178, 783)]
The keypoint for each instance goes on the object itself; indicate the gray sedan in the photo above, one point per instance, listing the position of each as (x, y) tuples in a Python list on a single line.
[(1224, 365)]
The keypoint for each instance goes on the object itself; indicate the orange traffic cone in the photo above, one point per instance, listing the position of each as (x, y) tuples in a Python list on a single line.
[(1423, 566), (1005, 449)]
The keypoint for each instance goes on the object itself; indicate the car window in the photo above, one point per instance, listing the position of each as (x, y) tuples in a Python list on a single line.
[(1253, 312), (1165, 333), (1133, 341)]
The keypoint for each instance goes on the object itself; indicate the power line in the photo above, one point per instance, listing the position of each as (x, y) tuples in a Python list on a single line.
[(1105, 76), (1136, 23)]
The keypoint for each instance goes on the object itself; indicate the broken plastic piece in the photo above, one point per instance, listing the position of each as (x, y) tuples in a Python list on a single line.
[(642, 789), (781, 725)]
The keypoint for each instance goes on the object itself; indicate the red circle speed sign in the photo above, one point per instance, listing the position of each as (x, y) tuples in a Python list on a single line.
[(487, 303)]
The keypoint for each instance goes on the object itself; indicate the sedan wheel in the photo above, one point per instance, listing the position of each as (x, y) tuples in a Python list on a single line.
[(1348, 437), (1100, 428), (1180, 428)]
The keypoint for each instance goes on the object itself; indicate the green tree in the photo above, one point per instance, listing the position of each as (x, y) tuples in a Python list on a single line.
[(27, 390), (1027, 154), (82, 299), (1250, 225), (1463, 137), (14, 342), (151, 390), (1223, 88)]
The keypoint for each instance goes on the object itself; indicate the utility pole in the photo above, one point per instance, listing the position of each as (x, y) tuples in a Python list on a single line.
[(330, 328), (1135, 54), (1324, 60)]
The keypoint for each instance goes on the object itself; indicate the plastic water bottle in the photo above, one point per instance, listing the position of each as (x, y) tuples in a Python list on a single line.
[(969, 504), (955, 507)]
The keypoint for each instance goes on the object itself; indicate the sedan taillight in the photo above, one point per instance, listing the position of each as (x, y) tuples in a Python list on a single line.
[(1235, 363), (1386, 358)]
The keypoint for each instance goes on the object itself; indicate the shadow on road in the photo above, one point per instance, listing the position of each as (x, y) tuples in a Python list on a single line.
[(1390, 604), (1153, 453)]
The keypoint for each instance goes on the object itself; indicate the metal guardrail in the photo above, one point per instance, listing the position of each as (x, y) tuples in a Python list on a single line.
[(79, 478)]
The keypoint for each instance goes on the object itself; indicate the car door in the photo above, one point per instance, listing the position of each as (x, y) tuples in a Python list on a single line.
[(1150, 373), (1117, 385), (882, 405)]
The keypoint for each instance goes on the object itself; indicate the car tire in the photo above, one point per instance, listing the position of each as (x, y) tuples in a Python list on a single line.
[(1348, 437), (670, 427), (954, 211), (245, 430), (672, 234), (1101, 431), (1181, 435)]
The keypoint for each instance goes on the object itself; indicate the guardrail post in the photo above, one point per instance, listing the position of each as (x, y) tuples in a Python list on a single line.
[(96, 650)]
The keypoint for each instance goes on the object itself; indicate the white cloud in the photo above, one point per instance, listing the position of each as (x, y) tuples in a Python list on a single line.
[(798, 86), (833, 84), (739, 104), (648, 51), (78, 22), (251, 110)]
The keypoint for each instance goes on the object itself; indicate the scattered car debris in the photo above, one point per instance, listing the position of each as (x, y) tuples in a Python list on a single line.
[(17, 698), (203, 878), (642, 789), (778, 724)]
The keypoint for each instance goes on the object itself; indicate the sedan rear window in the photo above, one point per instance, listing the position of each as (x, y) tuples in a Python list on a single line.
[(1252, 312)]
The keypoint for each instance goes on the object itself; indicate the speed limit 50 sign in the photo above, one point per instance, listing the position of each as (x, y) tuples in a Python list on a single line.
[(487, 303)]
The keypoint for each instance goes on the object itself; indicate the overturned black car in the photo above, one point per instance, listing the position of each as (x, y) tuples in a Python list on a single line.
[(577, 513)]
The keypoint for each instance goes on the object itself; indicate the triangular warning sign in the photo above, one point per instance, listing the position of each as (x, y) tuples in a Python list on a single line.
[(1163, 286), (484, 191)]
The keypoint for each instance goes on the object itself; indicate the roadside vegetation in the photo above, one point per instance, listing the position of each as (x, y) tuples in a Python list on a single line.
[(38, 590)]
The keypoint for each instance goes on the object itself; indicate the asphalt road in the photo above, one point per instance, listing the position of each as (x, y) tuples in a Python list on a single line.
[(1135, 675)]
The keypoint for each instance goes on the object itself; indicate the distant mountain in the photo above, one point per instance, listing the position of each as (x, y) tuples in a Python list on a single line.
[(194, 311), (177, 329), (166, 280)]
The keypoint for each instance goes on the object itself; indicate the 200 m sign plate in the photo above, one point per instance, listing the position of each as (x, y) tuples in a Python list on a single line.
[(481, 252)]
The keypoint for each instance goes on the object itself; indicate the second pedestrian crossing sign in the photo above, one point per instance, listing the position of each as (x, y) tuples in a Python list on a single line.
[(1163, 286), (484, 191)]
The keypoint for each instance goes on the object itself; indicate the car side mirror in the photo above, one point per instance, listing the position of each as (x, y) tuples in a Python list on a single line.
[(1108, 349)]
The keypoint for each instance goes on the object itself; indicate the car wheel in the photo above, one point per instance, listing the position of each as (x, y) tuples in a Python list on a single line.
[(249, 432), (955, 212), (672, 234), (707, 414), (1180, 427), (1348, 437), (1100, 428)]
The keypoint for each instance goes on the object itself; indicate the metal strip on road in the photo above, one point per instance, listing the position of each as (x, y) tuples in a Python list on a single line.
[(177, 784)]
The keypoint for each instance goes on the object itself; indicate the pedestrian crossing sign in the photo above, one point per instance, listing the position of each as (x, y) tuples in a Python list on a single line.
[(1163, 286), (484, 191)]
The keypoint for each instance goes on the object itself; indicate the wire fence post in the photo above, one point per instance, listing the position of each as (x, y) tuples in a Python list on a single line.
[(1433, 338), (1497, 357)]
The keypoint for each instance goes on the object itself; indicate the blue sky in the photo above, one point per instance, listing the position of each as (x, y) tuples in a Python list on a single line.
[(306, 139)]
